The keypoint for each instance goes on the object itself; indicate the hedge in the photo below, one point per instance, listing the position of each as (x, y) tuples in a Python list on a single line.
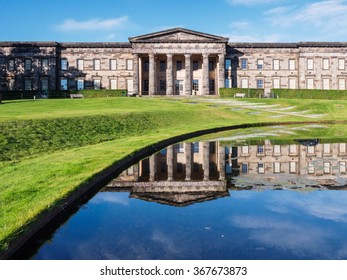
[(310, 94), (13, 95), (250, 93)]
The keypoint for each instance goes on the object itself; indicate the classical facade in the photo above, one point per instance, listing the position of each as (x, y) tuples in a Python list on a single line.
[(172, 62)]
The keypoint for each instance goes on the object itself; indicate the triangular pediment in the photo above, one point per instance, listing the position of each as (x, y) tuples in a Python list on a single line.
[(178, 35)]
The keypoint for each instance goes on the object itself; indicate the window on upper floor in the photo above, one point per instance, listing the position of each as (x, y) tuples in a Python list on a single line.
[(326, 63), (63, 64), (28, 64), (291, 64), (96, 64), (44, 64), (113, 64), (162, 65), (195, 65), (244, 63), (11, 64), (179, 65), (342, 64), (310, 64), (276, 64), (260, 64), (129, 64), (80, 64), (211, 65)]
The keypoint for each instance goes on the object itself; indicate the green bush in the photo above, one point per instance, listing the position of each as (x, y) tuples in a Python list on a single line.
[(250, 93), (310, 94)]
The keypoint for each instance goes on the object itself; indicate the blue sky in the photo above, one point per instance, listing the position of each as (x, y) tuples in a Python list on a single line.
[(116, 20)]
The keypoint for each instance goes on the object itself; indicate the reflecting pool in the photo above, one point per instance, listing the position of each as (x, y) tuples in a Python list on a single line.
[(253, 194)]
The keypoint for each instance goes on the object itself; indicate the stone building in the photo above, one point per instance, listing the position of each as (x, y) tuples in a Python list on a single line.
[(172, 62)]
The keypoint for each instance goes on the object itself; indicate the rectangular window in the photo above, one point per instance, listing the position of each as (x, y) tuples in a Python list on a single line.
[(342, 84), (162, 65), (80, 84), (292, 167), (63, 64), (113, 84), (44, 64), (342, 64), (113, 64), (326, 148), (244, 83), (260, 83), (196, 147), (293, 149), (276, 64), (210, 65), (162, 86), (310, 150), (277, 167), (311, 168), (291, 64), (260, 149), (195, 65), (245, 150), (27, 84), (310, 64), (276, 83), (11, 64), (342, 148), (309, 83), (228, 83), (97, 84), (63, 84), (342, 167), (260, 64), (44, 84), (326, 84), (145, 85), (326, 167), (80, 64), (27, 64), (96, 64), (211, 85), (195, 86), (292, 83), (244, 168), (261, 169), (146, 66), (129, 64), (227, 64), (277, 149), (179, 65), (244, 63), (326, 64)]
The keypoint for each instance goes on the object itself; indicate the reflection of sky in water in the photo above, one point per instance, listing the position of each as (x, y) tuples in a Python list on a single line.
[(246, 225)]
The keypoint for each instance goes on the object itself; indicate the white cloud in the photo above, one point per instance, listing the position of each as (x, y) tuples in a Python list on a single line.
[(250, 2), (240, 24), (92, 24), (250, 38)]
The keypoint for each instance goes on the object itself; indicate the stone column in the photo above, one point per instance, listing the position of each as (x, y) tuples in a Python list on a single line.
[(136, 74), (136, 172), (151, 86), (206, 160), (221, 161), (205, 76), (221, 72), (169, 161), (188, 75), (169, 74), (152, 167), (188, 152)]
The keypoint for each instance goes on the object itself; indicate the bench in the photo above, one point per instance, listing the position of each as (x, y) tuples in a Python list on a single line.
[(239, 95), (76, 95)]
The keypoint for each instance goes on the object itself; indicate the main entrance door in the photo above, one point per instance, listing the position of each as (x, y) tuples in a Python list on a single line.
[(179, 87)]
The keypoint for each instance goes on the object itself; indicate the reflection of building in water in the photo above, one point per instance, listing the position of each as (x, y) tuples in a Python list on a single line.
[(186, 173)]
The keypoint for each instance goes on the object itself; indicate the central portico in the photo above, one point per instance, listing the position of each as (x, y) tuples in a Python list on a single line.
[(178, 62)]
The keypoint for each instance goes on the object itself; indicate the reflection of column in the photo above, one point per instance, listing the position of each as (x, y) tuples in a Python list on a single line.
[(152, 168), (205, 77), (188, 152), (136, 172), (151, 86), (221, 161), (136, 74), (169, 75), (188, 75), (221, 72), (206, 159), (169, 161)]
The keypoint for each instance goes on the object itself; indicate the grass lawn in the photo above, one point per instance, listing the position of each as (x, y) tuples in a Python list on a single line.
[(51, 147)]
